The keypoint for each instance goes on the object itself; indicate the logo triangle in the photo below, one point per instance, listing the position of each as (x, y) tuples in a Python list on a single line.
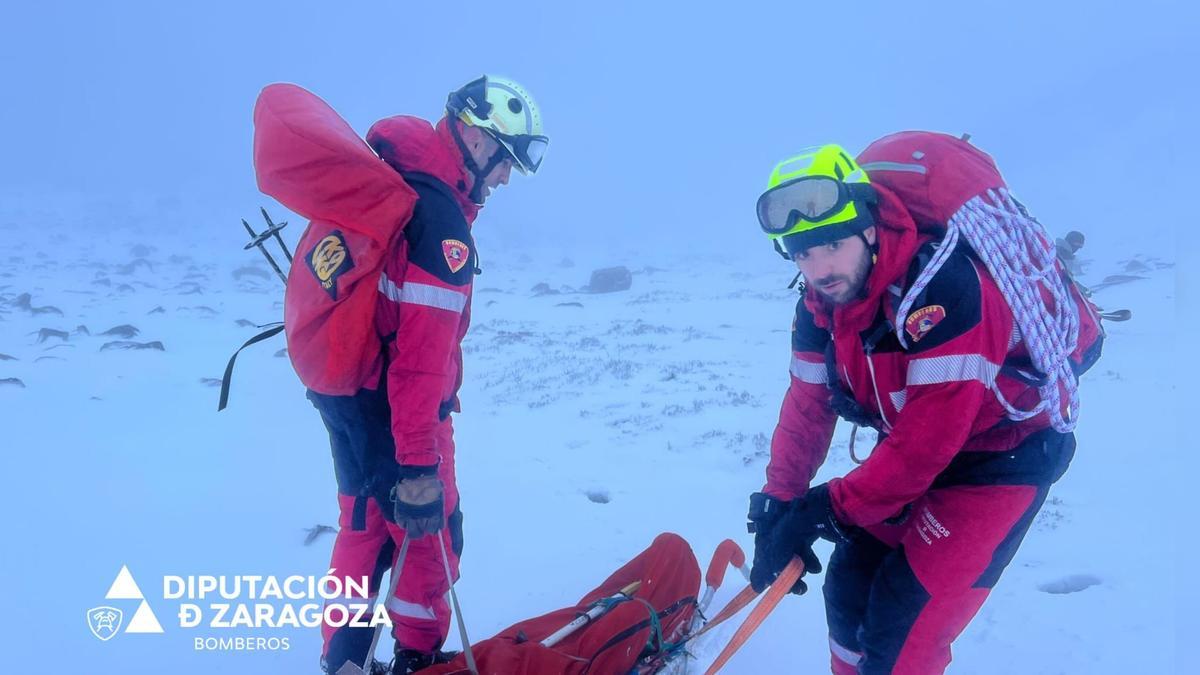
[(124, 587), (144, 621)]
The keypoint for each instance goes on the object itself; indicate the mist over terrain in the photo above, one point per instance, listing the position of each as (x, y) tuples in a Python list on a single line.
[(591, 421)]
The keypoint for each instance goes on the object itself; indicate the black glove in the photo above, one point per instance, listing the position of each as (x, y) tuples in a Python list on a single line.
[(786, 529), (417, 499)]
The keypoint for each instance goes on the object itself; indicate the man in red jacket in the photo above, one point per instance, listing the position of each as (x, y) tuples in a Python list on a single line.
[(923, 527), (393, 443)]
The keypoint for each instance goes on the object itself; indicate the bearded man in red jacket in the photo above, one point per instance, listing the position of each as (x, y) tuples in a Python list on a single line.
[(393, 441), (923, 527)]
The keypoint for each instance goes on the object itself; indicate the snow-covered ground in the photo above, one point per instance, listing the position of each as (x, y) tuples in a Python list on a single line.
[(591, 423)]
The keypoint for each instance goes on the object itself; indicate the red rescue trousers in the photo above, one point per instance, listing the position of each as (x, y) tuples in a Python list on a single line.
[(368, 541)]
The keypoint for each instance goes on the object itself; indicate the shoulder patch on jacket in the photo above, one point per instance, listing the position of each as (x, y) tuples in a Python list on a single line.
[(923, 320), (456, 253), (439, 239), (328, 260), (949, 306)]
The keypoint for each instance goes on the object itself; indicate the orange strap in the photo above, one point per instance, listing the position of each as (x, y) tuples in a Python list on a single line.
[(783, 584), (739, 601)]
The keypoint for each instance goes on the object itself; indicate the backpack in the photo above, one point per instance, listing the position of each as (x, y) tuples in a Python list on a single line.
[(955, 192), (311, 161)]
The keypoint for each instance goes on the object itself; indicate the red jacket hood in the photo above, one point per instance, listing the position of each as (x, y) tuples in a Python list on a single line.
[(898, 242), (412, 144)]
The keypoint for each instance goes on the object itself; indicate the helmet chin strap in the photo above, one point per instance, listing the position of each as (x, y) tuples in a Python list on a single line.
[(477, 173)]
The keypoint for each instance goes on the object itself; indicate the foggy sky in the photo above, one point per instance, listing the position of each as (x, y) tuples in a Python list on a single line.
[(664, 119)]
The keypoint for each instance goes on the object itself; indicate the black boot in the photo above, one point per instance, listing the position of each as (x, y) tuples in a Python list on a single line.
[(410, 660), (351, 645), (377, 668)]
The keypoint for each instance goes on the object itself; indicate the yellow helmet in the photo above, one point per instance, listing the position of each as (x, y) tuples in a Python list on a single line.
[(505, 111), (815, 197)]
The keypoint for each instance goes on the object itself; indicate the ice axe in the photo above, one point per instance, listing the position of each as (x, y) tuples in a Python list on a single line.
[(273, 229), (258, 239), (599, 608), (351, 668)]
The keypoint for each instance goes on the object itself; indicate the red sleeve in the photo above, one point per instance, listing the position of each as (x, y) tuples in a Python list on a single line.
[(428, 304), (949, 374), (801, 439)]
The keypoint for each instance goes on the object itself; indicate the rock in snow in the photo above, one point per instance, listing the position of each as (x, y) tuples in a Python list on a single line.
[(131, 345), (610, 280), (124, 331)]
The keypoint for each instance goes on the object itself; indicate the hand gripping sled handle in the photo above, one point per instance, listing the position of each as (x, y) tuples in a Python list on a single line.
[(780, 588)]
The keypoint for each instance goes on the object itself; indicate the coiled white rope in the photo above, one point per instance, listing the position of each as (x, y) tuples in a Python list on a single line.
[(1019, 254)]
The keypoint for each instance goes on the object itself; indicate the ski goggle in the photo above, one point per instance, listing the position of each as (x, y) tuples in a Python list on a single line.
[(808, 200), (526, 150)]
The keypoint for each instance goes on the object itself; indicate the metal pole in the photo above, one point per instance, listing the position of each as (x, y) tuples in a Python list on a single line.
[(462, 625), (263, 250), (275, 231)]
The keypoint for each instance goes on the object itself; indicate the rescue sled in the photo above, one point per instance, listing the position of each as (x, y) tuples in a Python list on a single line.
[(639, 620)]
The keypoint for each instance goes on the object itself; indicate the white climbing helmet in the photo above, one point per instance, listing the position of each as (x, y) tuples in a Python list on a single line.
[(507, 112)]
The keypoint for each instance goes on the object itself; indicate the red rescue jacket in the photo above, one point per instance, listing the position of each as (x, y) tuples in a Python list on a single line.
[(424, 301), (929, 401)]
